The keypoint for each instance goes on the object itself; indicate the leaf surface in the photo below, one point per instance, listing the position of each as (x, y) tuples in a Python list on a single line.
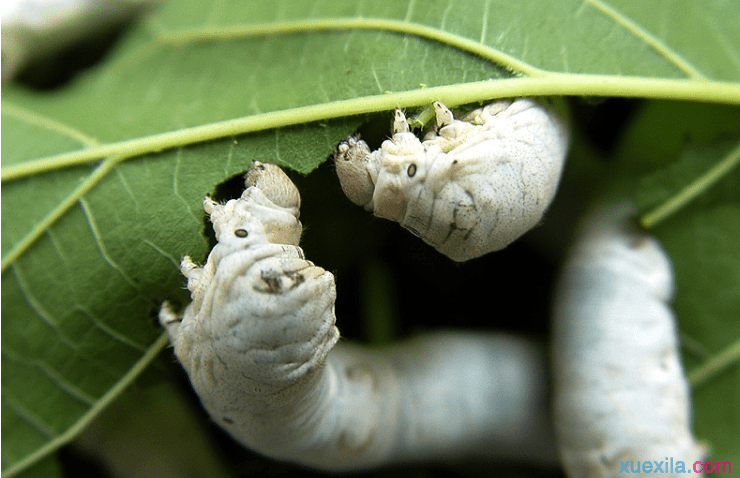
[(90, 250)]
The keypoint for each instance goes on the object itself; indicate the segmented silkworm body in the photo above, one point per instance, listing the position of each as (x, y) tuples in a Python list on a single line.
[(472, 187), (258, 343), (620, 392)]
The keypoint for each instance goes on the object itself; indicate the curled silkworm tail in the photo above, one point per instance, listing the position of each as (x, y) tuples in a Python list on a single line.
[(620, 392), (472, 186)]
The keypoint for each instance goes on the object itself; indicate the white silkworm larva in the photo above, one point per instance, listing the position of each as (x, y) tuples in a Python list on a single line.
[(258, 343), (620, 392), (470, 188)]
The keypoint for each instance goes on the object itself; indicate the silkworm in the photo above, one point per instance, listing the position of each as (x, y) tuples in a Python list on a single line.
[(259, 344), (620, 392), (469, 188)]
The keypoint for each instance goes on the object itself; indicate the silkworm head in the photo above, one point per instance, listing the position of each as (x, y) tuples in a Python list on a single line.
[(399, 179), (276, 185), (442, 113), (254, 219), (352, 160), (400, 125)]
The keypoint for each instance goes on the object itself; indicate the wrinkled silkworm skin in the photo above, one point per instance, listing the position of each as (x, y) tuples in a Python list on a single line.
[(260, 347), (439, 397), (261, 320), (473, 186), (620, 391)]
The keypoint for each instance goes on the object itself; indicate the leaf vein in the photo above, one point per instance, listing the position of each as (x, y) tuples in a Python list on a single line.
[(38, 309), (380, 24), (57, 246), (692, 190), (726, 358), (278, 155), (99, 405), (107, 330), (86, 209), (55, 376), (551, 84), (410, 11), (655, 43), (484, 27), (28, 417), (176, 187), (445, 16), (377, 80), (46, 223), (48, 123), (229, 157), (729, 47), (127, 188), (167, 256)]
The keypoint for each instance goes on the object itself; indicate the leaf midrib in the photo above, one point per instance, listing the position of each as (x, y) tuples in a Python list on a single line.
[(545, 83), (551, 84), (324, 24)]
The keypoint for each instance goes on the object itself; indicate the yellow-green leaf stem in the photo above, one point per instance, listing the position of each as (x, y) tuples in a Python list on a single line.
[(554, 84), (21, 246), (715, 365), (540, 82), (30, 117), (701, 184), (324, 24)]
